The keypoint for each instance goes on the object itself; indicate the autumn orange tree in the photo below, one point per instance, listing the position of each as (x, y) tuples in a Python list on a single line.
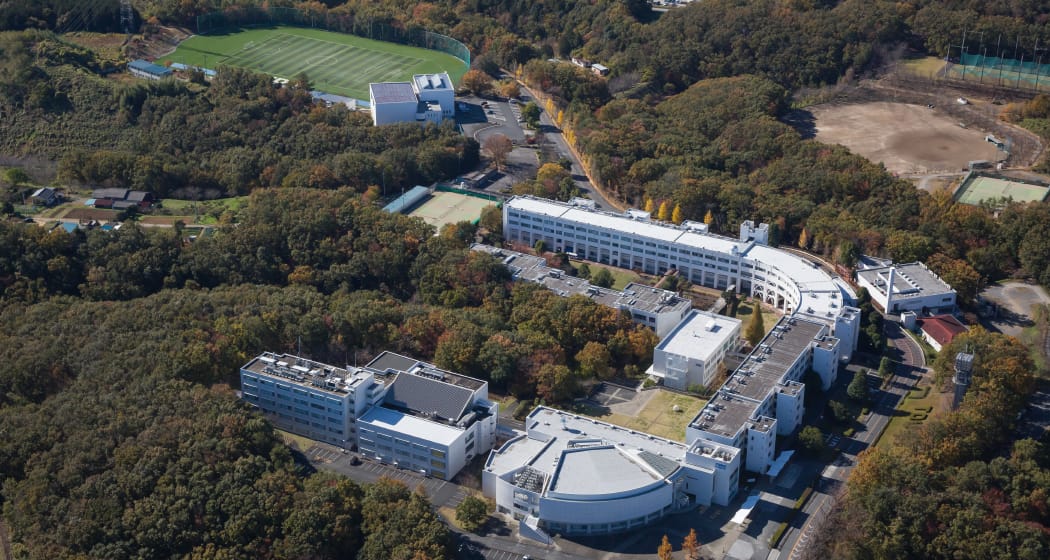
[(665, 550), (691, 546)]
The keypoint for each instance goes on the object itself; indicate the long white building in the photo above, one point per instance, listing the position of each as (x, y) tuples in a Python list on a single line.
[(397, 410), (633, 240), (763, 397)]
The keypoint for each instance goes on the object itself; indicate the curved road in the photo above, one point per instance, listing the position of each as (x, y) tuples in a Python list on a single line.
[(910, 367)]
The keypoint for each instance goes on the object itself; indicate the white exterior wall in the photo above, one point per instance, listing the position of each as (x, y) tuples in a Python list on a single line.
[(759, 233), (790, 411), (710, 479), (666, 321), (931, 341), (308, 411), (604, 516), (761, 447), (699, 367), (702, 266), (847, 330), (411, 452), (826, 362), (934, 302), (390, 113), (430, 116), (443, 97)]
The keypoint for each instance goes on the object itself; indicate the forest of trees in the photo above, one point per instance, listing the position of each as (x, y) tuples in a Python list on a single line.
[(120, 351), (180, 140), (122, 437), (959, 486)]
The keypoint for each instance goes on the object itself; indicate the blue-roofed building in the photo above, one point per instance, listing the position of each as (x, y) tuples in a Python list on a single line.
[(330, 99), (407, 201), (148, 70), (208, 73)]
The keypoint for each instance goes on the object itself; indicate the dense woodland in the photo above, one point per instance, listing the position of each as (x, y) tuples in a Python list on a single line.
[(122, 437), (958, 487)]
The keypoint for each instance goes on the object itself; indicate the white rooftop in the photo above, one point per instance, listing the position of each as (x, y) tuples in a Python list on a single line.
[(599, 472), (820, 294), (593, 467), (436, 432), (700, 335), (432, 81)]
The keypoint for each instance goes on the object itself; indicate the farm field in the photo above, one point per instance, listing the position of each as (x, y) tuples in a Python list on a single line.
[(334, 62)]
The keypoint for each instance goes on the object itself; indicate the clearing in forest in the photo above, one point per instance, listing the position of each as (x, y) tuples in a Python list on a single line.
[(334, 62)]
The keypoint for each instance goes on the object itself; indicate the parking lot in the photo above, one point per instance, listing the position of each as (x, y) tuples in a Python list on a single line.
[(370, 471)]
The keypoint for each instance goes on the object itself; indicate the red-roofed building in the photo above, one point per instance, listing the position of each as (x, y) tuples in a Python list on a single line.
[(939, 330)]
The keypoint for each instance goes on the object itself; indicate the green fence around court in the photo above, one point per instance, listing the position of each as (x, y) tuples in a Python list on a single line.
[(1008, 70), (341, 23), (483, 196)]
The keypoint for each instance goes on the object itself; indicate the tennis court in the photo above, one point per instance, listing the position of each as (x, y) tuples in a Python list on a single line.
[(977, 189), (449, 208), (334, 62)]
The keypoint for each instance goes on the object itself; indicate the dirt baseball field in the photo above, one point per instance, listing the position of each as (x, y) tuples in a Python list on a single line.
[(907, 139)]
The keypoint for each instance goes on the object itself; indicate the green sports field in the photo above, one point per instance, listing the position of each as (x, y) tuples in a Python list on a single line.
[(334, 62), (977, 189)]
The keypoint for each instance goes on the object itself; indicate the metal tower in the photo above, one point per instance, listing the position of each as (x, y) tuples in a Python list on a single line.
[(961, 379)]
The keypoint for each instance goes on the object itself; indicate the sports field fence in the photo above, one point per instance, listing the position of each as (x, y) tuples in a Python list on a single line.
[(252, 16)]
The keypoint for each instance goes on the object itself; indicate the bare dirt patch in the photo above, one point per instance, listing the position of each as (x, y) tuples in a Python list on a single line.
[(99, 214), (908, 139)]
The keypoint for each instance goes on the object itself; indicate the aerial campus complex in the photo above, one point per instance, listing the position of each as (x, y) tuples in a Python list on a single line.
[(570, 474), (574, 475)]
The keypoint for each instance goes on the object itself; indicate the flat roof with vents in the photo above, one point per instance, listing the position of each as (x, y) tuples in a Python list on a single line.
[(700, 335)]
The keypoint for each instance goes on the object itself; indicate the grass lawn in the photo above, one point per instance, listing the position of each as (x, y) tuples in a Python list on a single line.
[(744, 311), (658, 416), (232, 203), (925, 67), (621, 277), (918, 401), (295, 442), (334, 62)]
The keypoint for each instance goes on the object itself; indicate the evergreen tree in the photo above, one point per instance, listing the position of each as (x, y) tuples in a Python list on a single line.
[(858, 386), (757, 328)]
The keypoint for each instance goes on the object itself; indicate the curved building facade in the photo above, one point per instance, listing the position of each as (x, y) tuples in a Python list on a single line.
[(633, 240), (574, 475)]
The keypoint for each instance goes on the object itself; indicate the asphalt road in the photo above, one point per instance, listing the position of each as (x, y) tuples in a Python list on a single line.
[(910, 367), (555, 136)]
